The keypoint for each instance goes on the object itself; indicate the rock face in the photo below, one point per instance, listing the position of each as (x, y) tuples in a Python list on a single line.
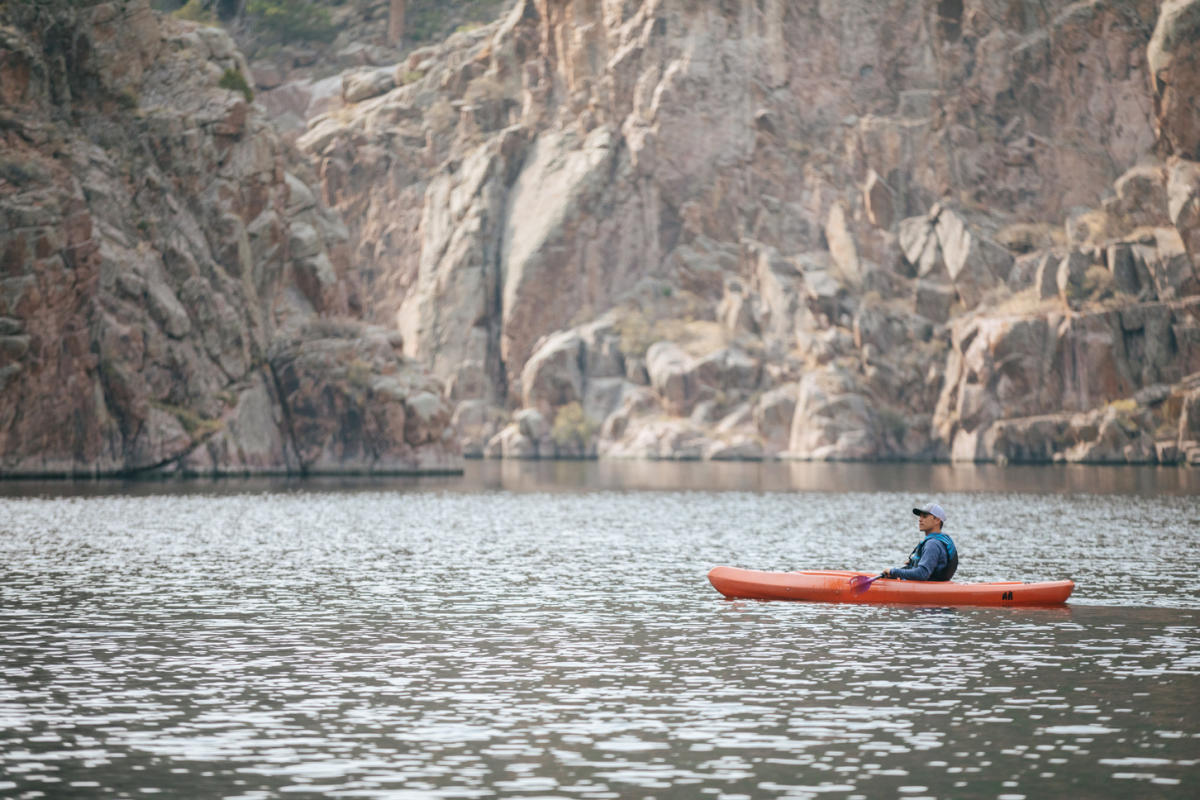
[(912, 229), (749, 229), (165, 271)]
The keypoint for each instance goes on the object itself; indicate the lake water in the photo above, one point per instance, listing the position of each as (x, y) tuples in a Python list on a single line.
[(547, 631)]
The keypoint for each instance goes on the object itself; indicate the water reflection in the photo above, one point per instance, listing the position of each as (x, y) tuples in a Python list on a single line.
[(917, 479), (535, 639), (920, 479)]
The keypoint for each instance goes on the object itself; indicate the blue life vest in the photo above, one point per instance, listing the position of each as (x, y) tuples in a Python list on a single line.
[(946, 572)]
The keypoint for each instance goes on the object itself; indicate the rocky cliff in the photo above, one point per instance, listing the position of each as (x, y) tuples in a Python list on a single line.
[(908, 229), (174, 297), (854, 230)]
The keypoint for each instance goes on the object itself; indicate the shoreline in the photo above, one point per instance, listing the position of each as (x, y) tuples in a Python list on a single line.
[(149, 476), (918, 479)]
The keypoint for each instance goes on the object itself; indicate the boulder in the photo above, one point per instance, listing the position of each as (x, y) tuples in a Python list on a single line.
[(671, 372), (367, 83), (974, 263), (511, 443), (635, 401), (1140, 199), (832, 420), (729, 371), (476, 423), (604, 396), (823, 295), (532, 425), (425, 417), (1111, 436), (553, 375), (919, 243)]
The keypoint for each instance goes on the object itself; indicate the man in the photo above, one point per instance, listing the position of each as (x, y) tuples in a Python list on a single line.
[(936, 557)]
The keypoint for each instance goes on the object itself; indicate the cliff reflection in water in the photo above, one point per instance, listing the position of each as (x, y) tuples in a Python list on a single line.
[(922, 479)]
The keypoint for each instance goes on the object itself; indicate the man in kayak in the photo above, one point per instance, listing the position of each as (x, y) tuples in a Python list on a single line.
[(936, 557)]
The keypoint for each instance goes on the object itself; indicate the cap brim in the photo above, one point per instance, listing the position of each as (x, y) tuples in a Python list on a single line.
[(919, 511)]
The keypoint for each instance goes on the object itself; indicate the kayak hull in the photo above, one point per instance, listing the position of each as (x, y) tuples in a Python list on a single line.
[(833, 586)]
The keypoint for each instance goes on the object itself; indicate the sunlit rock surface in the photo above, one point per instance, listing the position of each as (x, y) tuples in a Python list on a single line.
[(848, 231), (910, 229), (164, 263)]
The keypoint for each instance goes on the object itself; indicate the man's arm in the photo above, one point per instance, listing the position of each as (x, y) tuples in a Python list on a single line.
[(933, 557)]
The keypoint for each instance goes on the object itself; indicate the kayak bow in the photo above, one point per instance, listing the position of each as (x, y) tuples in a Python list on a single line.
[(835, 586)]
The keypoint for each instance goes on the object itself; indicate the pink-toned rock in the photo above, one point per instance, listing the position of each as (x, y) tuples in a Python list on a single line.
[(1173, 61), (1183, 205), (137, 313), (351, 406), (1140, 199), (786, 190)]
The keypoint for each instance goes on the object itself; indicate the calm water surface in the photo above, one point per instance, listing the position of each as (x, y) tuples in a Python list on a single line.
[(541, 631)]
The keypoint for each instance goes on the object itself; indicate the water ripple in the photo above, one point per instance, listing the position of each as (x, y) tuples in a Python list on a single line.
[(446, 644)]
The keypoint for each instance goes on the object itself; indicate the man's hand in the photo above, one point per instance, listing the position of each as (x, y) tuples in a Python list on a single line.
[(887, 573)]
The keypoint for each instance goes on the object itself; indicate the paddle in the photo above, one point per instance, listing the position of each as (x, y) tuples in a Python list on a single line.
[(860, 583)]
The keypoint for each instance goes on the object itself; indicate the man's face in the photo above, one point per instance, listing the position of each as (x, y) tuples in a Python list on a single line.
[(927, 522)]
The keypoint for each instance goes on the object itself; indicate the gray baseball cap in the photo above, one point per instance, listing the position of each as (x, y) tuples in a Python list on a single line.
[(931, 508)]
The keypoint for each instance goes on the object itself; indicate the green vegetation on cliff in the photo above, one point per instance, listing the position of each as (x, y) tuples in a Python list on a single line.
[(291, 20), (431, 20), (235, 81), (281, 22)]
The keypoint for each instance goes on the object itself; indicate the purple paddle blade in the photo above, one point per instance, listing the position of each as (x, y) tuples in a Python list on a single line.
[(860, 583)]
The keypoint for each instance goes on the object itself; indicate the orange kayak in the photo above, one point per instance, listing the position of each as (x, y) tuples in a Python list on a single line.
[(833, 586)]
